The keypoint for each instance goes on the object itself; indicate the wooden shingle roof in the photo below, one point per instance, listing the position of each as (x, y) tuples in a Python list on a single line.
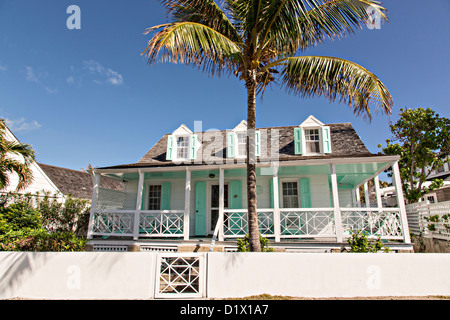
[(345, 142), (76, 183)]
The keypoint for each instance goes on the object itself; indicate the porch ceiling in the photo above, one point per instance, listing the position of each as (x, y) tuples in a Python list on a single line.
[(351, 174)]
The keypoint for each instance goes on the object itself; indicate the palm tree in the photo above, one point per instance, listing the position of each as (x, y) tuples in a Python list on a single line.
[(15, 157), (257, 41)]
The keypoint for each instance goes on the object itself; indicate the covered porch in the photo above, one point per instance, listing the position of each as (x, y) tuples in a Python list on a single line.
[(210, 201)]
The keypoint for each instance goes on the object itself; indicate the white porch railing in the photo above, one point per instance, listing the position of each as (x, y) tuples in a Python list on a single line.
[(236, 223), (138, 223), (430, 220), (373, 222)]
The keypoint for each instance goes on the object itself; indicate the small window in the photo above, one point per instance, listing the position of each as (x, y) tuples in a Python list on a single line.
[(431, 199), (182, 147), (241, 141), (440, 169), (290, 195), (154, 197), (312, 140)]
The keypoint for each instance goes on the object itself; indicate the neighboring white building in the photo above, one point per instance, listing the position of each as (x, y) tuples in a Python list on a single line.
[(41, 182)]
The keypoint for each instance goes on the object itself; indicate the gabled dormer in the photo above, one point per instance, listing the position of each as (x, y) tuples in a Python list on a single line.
[(312, 137), (182, 145), (237, 141)]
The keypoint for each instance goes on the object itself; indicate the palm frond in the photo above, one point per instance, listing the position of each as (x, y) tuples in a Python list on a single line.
[(336, 79), (293, 25), (335, 19), (193, 44), (205, 12)]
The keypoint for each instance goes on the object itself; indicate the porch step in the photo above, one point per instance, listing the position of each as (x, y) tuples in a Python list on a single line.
[(199, 248)]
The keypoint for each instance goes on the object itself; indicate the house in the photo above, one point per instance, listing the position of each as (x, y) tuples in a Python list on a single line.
[(58, 182), (76, 183), (191, 186), (41, 182)]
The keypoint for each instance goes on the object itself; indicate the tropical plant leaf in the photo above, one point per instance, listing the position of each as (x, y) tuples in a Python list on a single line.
[(336, 79), (193, 44)]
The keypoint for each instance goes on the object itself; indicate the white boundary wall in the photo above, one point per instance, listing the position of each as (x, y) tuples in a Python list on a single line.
[(122, 275)]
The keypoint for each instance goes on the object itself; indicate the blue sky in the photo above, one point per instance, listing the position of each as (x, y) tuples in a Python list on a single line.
[(88, 97)]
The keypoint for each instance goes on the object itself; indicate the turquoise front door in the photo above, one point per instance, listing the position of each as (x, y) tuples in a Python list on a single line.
[(200, 208)]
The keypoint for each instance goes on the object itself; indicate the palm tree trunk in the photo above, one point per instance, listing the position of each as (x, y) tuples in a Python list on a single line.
[(253, 230)]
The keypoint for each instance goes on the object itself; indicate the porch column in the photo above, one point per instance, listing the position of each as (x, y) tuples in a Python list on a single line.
[(221, 203), (276, 204), (376, 181), (96, 182), (138, 205), (337, 210), (358, 197), (396, 180), (187, 204), (366, 195)]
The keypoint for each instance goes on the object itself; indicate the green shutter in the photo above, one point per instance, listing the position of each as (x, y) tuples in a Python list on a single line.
[(143, 197), (170, 143), (298, 133), (326, 140), (257, 144), (165, 196), (305, 193), (236, 194), (230, 145), (200, 208), (193, 153)]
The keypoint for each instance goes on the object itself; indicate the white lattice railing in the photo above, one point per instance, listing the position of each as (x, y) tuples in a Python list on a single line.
[(307, 223), (236, 222), (156, 223), (151, 223), (420, 217), (373, 222)]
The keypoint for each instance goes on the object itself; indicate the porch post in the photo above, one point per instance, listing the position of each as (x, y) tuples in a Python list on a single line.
[(138, 205), (400, 201), (366, 195), (358, 197), (221, 203), (187, 204), (376, 181), (337, 210), (96, 182), (276, 204)]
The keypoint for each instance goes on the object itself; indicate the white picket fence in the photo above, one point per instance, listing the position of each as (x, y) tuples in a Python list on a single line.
[(421, 215)]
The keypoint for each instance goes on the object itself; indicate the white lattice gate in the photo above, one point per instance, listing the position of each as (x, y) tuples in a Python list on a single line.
[(180, 275)]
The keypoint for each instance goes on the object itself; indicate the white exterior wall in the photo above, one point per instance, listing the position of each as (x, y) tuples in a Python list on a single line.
[(132, 275), (41, 182)]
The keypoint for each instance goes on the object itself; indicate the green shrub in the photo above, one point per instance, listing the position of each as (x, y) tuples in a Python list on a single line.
[(360, 243), (33, 223), (244, 245)]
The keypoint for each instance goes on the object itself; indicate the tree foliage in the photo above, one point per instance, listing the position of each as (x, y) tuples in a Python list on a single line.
[(42, 223), (422, 140), (258, 41), (15, 158)]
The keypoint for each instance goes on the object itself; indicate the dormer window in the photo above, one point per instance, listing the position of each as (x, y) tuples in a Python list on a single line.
[(241, 143), (237, 141), (312, 140), (312, 137), (183, 147)]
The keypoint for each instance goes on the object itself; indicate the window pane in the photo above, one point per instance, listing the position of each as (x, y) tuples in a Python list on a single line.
[(154, 197), (241, 143), (182, 147), (290, 195)]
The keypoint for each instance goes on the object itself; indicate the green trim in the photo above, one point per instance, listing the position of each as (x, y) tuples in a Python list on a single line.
[(165, 196), (326, 140), (305, 193), (230, 145), (298, 134), (169, 151), (200, 208)]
